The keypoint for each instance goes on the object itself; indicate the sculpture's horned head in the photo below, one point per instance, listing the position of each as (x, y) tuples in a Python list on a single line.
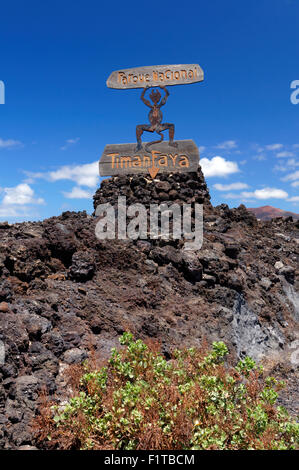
[(155, 96)]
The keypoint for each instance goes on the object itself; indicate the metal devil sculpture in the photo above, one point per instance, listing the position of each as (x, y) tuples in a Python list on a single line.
[(155, 118)]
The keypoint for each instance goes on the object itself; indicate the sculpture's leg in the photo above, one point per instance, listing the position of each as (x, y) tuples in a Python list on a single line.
[(139, 131), (155, 141), (170, 128)]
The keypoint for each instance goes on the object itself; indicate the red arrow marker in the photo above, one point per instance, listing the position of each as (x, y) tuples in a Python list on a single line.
[(153, 171)]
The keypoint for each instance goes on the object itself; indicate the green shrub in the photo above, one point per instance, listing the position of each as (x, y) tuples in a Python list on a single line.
[(138, 400)]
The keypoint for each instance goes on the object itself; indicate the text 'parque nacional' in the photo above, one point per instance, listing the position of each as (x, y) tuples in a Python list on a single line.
[(155, 75)]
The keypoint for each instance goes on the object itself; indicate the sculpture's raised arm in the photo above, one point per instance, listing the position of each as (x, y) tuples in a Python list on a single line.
[(145, 101), (164, 99)]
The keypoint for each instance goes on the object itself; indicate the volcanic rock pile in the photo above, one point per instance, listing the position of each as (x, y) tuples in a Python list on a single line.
[(177, 188), (64, 293)]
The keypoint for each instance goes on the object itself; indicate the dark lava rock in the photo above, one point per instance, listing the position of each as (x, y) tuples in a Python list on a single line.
[(35, 325), (192, 267), (289, 273), (240, 287), (232, 250), (166, 254), (83, 267), (74, 356)]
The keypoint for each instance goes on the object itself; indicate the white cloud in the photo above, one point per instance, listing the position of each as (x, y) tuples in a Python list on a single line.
[(22, 194), (294, 199), (18, 201), (235, 196), (274, 147), (69, 142), (227, 145), (280, 168), (260, 157), (292, 162), (218, 166), (292, 176), (78, 193), (285, 154), (16, 212), (288, 165), (83, 175), (261, 194), (230, 187), (201, 149), (266, 193), (4, 144)]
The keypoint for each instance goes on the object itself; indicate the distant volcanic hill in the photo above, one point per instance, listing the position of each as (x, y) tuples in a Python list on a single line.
[(269, 212)]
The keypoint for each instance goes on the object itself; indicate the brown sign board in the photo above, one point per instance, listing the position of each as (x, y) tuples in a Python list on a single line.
[(155, 75), (123, 159)]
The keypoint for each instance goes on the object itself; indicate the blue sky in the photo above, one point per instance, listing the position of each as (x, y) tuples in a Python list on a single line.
[(55, 57)]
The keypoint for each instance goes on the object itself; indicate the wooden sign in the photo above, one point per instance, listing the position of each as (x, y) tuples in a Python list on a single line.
[(123, 159), (156, 75)]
